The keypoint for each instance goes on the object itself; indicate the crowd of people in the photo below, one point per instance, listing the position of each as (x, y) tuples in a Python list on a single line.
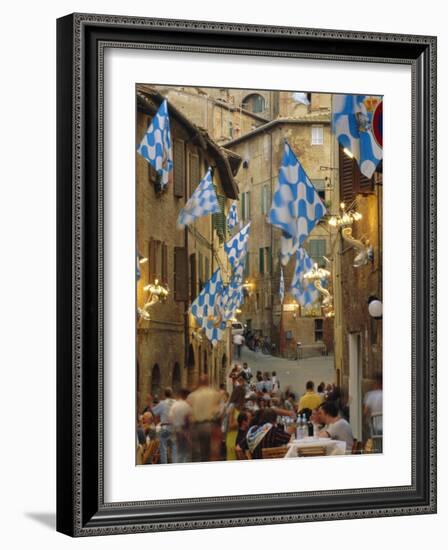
[(210, 424)]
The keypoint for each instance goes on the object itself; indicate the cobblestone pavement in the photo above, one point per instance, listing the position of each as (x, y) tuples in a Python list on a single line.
[(292, 373)]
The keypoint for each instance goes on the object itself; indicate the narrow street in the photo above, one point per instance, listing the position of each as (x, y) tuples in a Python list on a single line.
[(294, 374)]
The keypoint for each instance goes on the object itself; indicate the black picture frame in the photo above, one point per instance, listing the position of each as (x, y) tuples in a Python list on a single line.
[(81, 39)]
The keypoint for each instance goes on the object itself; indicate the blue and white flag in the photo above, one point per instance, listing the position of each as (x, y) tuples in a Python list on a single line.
[(232, 216), (233, 295), (296, 206), (303, 291), (206, 308), (281, 289), (155, 146), (236, 247), (301, 97), (202, 202), (352, 125)]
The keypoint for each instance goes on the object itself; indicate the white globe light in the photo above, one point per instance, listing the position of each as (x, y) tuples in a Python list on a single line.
[(376, 309)]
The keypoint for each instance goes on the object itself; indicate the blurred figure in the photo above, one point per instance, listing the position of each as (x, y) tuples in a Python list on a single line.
[(180, 419), (243, 425), (321, 390), (238, 341), (373, 407), (275, 382), (259, 382), (205, 403), (166, 435), (266, 434), (234, 408), (247, 373), (148, 404), (267, 383), (310, 399), (234, 373)]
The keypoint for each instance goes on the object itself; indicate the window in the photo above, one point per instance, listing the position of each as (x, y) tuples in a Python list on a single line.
[(193, 277), (261, 261), (247, 266), (230, 129), (317, 249), (351, 181), (254, 103), (268, 259), (164, 270), (245, 205), (320, 185), (265, 199), (179, 168), (219, 219), (200, 271), (180, 274), (195, 176), (207, 268), (318, 330), (317, 135)]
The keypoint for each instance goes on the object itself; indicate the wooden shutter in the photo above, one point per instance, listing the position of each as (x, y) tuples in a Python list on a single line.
[(180, 274), (179, 168), (366, 185), (164, 264), (346, 177), (152, 261), (193, 277), (195, 176), (219, 219)]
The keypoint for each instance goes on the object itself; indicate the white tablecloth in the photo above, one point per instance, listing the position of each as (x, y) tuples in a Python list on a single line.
[(332, 446)]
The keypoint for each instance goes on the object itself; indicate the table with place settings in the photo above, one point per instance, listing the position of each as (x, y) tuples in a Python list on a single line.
[(331, 446)]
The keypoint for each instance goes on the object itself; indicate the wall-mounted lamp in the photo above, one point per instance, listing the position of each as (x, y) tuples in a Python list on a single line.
[(375, 307), (157, 293)]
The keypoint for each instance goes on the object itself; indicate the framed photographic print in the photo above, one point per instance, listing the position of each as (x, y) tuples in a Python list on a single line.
[(246, 275)]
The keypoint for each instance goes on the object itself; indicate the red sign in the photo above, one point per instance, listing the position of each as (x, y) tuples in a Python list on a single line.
[(377, 124)]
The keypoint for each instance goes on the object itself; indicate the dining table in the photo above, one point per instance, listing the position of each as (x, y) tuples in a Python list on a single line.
[(331, 446)]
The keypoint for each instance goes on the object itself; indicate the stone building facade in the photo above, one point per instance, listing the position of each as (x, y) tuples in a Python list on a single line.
[(261, 150), (171, 351), (358, 336)]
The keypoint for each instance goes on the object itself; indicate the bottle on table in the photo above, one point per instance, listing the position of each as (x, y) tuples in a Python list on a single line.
[(299, 432), (304, 426)]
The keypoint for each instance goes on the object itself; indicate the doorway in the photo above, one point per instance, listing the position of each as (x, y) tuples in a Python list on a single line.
[(354, 383)]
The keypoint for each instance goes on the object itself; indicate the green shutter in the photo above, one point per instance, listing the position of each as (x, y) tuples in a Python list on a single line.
[(261, 264)]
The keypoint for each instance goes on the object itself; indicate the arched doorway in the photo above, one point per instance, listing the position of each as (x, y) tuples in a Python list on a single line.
[(155, 381), (177, 381)]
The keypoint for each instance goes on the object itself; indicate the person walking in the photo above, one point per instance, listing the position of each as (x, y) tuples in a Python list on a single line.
[(166, 434), (238, 341), (234, 408), (180, 419), (205, 403)]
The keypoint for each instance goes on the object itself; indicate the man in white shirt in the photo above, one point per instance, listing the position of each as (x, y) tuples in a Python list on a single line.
[(162, 411), (336, 427), (179, 416), (238, 341), (373, 407)]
